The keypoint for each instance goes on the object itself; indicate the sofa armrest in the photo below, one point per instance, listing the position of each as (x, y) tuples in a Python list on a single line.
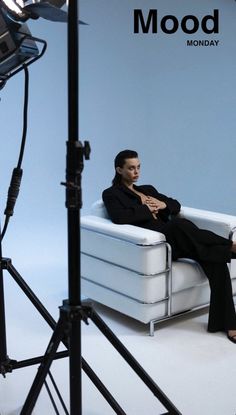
[(128, 233), (136, 249), (220, 223)]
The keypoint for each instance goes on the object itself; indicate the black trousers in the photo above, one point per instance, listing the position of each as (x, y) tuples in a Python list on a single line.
[(212, 252)]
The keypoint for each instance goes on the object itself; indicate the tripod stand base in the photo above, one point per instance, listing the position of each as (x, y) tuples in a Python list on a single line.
[(70, 315), (7, 365)]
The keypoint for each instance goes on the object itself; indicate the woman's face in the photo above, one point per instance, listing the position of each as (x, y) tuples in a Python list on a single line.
[(130, 171)]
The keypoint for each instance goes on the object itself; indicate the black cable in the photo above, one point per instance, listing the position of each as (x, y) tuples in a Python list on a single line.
[(17, 173), (25, 117)]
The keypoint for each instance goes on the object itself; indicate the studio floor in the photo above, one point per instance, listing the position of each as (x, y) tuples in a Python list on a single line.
[(195, 369)]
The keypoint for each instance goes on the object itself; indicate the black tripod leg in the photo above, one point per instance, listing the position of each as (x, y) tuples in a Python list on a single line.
[(44, 367), (28, 292), (102, 389), (133, 363)]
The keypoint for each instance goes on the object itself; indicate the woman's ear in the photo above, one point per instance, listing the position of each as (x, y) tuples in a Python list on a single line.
[(119, 170)]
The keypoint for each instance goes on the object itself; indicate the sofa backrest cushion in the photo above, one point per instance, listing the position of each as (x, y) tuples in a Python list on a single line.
[(98, 209)]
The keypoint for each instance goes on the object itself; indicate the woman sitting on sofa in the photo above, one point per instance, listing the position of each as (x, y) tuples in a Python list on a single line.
[(144, 206)]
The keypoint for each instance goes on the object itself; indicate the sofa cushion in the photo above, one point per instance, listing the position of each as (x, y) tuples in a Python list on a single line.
[(98, 209)]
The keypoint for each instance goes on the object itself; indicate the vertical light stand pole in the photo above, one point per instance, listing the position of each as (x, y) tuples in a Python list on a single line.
[(3, 344), (75, 155)]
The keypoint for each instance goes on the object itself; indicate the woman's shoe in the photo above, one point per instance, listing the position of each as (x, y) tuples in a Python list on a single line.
[(231, 338)]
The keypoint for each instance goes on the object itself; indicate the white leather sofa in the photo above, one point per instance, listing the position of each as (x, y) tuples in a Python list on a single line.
[(130, 269)]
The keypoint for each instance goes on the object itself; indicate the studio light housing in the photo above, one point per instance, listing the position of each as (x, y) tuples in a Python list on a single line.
[(17, 46)]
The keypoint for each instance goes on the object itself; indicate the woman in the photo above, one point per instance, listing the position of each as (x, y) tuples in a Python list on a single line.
[(144, 206)]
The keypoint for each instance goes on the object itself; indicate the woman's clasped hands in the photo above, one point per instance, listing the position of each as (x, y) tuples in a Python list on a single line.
[(153, 204)]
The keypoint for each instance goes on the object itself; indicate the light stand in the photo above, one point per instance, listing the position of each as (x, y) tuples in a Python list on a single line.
[(68, 327)]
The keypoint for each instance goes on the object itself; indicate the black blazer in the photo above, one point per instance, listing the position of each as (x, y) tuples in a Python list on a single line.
[(125, 207)]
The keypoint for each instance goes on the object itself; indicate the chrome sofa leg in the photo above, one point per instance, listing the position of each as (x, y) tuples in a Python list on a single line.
[(151, 328)]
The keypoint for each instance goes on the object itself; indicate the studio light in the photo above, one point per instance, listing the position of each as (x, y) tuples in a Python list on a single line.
[(17, 46)]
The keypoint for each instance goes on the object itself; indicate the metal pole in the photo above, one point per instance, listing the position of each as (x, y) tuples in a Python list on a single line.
[(73, 204), (3, 342)]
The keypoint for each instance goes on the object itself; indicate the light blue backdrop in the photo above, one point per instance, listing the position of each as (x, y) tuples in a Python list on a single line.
[(173, 103)]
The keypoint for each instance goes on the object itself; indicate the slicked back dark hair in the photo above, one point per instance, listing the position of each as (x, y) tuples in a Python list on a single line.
[(120, 161)]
